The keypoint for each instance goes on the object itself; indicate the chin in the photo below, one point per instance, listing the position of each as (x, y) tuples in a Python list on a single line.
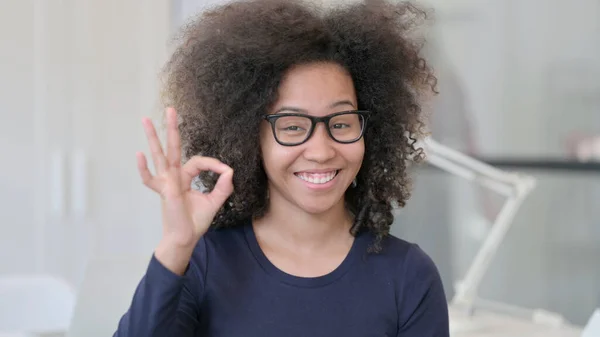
[(317, 205)]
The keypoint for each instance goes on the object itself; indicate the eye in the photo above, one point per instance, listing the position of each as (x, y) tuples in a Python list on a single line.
[(340, 126), (293, 128), (292, 124)]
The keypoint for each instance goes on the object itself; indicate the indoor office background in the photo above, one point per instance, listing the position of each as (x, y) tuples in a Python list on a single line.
[(519, 88)]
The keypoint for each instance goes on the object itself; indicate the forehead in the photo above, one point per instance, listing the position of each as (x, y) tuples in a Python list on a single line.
[(316, 87)]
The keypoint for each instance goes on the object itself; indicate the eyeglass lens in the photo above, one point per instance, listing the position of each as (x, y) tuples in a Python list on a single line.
[(296, 129)]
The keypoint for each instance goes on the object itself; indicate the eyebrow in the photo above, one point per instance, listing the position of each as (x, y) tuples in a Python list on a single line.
[(331, 106)]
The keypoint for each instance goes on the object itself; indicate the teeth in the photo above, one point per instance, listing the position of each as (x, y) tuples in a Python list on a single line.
[(317, 178)]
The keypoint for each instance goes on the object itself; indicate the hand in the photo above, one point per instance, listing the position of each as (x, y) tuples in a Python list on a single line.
[(187, 213)]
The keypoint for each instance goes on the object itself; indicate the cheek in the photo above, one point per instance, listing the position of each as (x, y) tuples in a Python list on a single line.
[(275, 157), (279, 159), (357, 154)]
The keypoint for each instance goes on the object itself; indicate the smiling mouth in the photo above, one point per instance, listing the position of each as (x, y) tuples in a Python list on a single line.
[(317, 178)]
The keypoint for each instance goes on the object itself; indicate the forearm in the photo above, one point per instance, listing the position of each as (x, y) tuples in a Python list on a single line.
[(163, 304)]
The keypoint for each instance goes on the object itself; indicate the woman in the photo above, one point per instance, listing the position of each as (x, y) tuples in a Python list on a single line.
[(300, 124)]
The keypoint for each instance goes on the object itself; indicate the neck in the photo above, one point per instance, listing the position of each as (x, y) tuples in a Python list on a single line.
[(292, 226)]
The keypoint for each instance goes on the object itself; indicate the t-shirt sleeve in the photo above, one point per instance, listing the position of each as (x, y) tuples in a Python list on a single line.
[(422, 301), (164, 303)]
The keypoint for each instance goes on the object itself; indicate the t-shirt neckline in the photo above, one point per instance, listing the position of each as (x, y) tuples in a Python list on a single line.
[(357, 250)]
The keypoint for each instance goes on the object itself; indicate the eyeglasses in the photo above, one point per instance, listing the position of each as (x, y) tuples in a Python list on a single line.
[(291, 129)]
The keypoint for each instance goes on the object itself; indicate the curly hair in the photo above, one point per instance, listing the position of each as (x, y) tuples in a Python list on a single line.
[(225, 73)]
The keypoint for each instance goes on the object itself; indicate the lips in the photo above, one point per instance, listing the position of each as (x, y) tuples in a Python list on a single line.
[(317, 177)]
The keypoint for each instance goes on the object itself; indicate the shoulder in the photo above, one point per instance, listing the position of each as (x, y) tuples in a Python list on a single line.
[(226, 236), (407, 266), (419, 291), (222, 246), (405, 259), (223, 241)]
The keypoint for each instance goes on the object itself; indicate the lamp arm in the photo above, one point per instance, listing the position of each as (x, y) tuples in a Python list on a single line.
[(515, 186)]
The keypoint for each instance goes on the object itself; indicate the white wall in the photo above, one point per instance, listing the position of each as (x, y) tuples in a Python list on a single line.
[(17, 139), (77, 76)]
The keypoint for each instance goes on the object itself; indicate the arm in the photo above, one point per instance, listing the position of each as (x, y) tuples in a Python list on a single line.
[(166, 302), (167, 299), (424, 308)]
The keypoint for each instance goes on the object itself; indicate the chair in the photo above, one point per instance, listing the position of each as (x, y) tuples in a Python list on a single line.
[(34, 305), (106, 293)]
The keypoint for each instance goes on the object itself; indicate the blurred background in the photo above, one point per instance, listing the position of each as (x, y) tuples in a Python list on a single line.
[(519, 88)]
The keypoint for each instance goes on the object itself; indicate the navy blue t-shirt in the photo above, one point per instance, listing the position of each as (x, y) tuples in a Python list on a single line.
[(231, 289)]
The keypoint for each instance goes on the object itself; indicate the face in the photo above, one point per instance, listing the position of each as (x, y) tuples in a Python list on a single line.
[(314, 175)]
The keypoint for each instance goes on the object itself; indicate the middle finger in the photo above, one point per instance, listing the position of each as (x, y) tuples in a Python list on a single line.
[(173, 139)]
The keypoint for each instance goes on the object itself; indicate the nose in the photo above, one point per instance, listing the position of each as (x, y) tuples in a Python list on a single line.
[(319, 147)]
